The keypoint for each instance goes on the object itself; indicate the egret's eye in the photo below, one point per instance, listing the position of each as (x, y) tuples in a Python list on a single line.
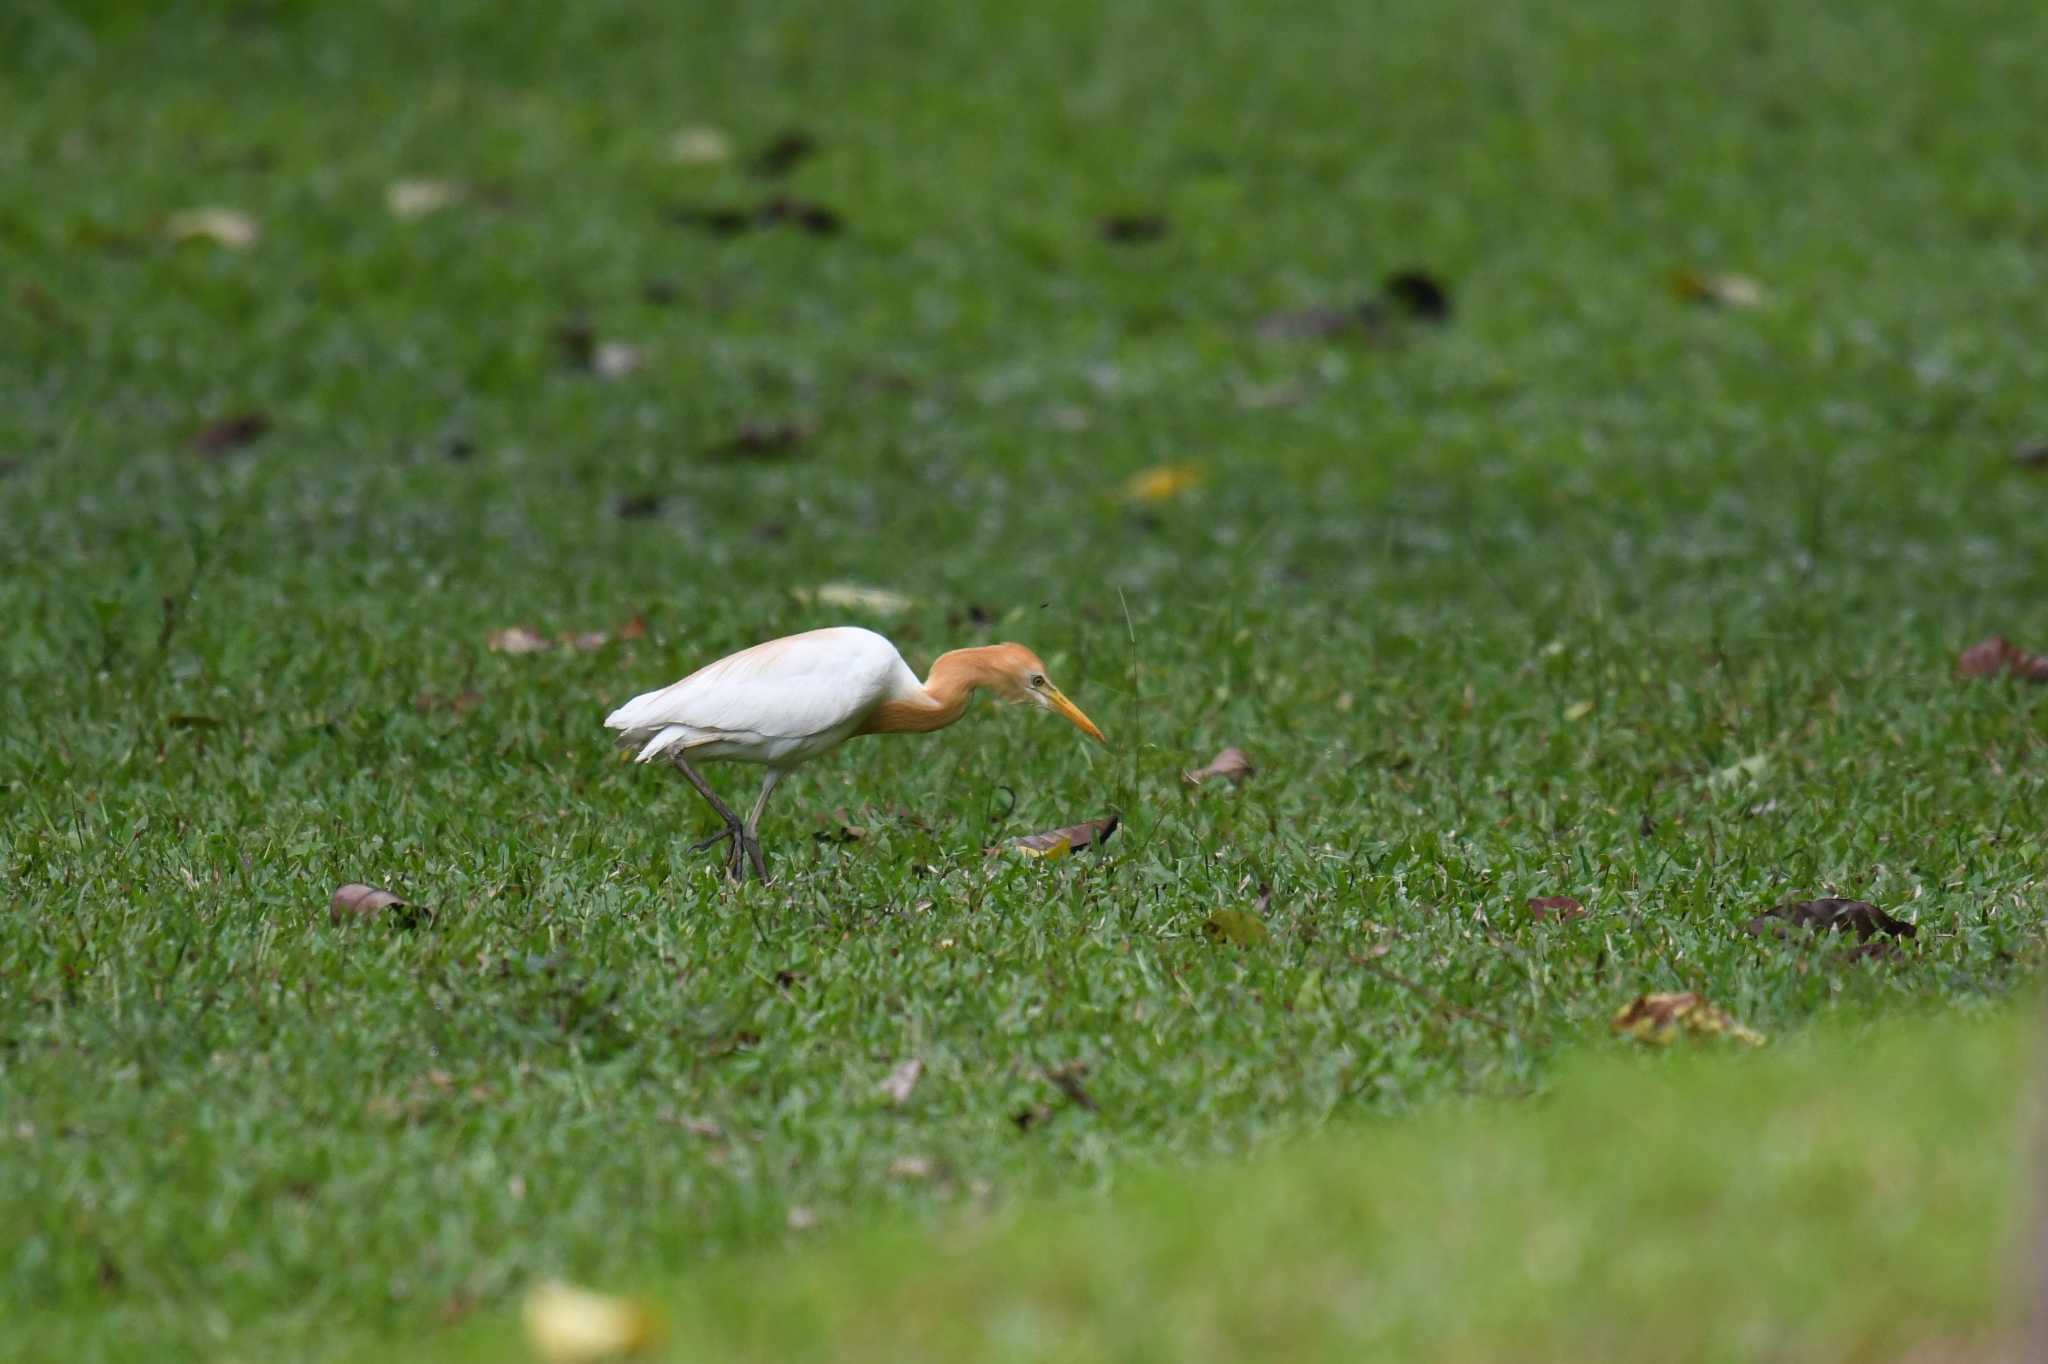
[(1038, 679)]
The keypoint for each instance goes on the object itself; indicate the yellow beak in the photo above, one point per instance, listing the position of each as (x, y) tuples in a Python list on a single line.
[(1073, 713)]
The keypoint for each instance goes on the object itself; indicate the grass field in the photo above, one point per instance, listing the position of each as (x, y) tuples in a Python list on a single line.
[(1590, 588)]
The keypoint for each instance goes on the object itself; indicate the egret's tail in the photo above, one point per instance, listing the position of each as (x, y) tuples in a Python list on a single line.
[(651, 740)]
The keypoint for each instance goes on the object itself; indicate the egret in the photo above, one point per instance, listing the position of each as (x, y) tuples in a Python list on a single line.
[(782, 703)]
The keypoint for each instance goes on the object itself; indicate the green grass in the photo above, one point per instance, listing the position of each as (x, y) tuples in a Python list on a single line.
[(1776, 1207), (1491, 606)]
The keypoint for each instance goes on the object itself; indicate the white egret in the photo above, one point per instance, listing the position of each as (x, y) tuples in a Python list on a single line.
[(782, 703)]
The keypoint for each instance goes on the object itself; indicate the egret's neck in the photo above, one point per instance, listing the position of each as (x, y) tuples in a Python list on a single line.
[(941, 700)]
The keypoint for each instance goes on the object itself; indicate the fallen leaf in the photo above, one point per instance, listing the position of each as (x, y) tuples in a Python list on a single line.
[(460, 703), (1030, 1116), (1129, 228), (1236, 927), (1829, 915), (1417, 294), (783, 153), (1232, 764), (898, 1083), (227, 227), (231, 433), (417, 198), (1727, 291), (566, 1325), (840, 828), (1990, 657), (2031, 454), (699, 147), (1060, 842), (1749, 769), (1067, 1079), (518, 639), (1162, 482), (359, 901), (1578, 710), (634, 628), (636, 506), (763, 440), (616, 360), (1364, 321), (1561, 907), (585, 641), (813, 218), (1661, 1019), (706, 1128), (852, 596), (913, 1167)]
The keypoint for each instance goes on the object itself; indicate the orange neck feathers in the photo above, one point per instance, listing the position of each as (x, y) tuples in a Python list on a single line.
[(953, 678)]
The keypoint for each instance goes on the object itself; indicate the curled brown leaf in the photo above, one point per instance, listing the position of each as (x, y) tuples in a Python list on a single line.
[(1829, 915), (359, 901), (1661, 1019), (231, 433), (1059, 842), (1563, 908), (1999, 655), (1232, 764)]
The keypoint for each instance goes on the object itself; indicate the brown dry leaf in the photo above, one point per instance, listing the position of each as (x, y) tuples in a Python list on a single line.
[(1236, 927), (783, 153), (518, 639), (1232, 764), (1128, 229), (634, 628), (359, 901), (1067, 1078), (898, 1083), (763, 440), (231, 433), (1829, 915), (1030, 1116), (1996, 655), (1727, 291), (417, 198), (229, 227), (566, 1325), (1661, 1019), (460, 703), (840, 828), (810, 216), (636, 506), (585, 641), (2031, 454), (1162, 483), (1561, 907), (1060, 842)]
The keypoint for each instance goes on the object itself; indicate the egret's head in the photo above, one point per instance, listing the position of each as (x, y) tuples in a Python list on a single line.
[(1018, 675)]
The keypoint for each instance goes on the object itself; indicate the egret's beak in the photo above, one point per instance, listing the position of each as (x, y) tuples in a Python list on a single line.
[(1059, 702)]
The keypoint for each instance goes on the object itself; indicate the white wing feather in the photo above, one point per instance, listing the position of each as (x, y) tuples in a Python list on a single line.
[(771, 703)]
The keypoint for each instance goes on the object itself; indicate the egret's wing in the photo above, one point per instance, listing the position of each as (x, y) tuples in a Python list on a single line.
[(790, 688)]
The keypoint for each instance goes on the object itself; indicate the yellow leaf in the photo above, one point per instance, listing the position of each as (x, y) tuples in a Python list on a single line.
[(1661, 1019), (1162, 482), (566, 1325), (227, 227)]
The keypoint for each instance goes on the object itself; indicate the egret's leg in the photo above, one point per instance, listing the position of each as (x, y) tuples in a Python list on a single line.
[(734, 830), (752, 832)]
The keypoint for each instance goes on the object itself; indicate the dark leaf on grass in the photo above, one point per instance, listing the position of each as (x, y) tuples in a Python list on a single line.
[(1662, 1019), (1418, 294), (763, 440), (1563, 908), (1030, 1116), (1232, 765), (1059, 842), (2032, 454), (1363, 321), (719, 222), (1829, 915), (231, 433), (1727, 291), (1999, 655), (783, 153), (1068, 1080), (636, 506), (1131, 228), (813, 218), (458, 449), (576, 343), (770, 531), (1236, 927), (357, 901)]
